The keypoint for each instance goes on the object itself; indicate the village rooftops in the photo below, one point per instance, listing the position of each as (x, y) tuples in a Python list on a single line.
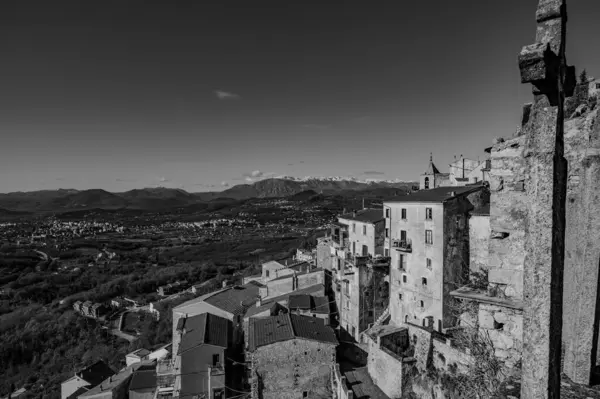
[(109, 384), (270, 302), (365, 216), (233, 300), (285, 327), (437, 195), (205, 328)]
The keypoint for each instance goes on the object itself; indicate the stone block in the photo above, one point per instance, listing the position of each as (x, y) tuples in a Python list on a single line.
[(536, 63), (501, 340), (500, 317), (548, 9), (486, 319)]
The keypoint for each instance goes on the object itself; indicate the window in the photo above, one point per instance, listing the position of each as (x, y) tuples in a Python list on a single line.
[(424, 281), (364, 230), (428, 213), (386, 252), (428, 262), (403, 235), (267, 273), (404, 279), (387, 213), (428, 237), (305, 394), (426, 183), (402, 262), (439, 325), (347, 304), (597, 85), (400, 296), (370, 313), (403, 214), (387, 233), (353, 331), (422, 304), (365, 250), (215, 359), (406, 319), (354, 227)]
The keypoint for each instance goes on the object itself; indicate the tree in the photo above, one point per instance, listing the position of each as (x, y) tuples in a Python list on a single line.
[(583, 77)]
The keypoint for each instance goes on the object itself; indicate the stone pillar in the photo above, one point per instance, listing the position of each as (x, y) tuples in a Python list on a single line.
[(581, 343), (544, 65)]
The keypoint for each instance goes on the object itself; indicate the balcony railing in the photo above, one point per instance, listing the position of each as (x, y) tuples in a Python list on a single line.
[(402, 245)]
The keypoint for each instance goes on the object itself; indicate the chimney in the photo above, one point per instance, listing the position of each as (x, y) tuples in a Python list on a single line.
[(259, 302), (353, 214), (363, 203), (453, 193), (224, 283)]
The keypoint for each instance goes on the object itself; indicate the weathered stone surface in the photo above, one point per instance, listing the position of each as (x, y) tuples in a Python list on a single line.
[(486, 319)]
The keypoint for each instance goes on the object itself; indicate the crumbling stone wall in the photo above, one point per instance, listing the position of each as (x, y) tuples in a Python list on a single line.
[(325, 258), (385, 370), (504, 326), (285, 370), (508, 217), (448, 358)]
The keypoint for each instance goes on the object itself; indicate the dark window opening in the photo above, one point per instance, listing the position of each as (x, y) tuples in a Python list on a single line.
[(267, 273), (404, 213), (424, 281), (305, 394), (404, 279), (498, 326), (422, 304), (215, 359)]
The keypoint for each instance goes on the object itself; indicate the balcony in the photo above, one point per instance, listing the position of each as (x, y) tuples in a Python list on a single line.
[(357, 260), (217, 369), (402, 245), (382, 261)]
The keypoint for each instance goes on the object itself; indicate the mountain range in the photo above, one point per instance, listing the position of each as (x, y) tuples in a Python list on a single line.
[(166, 198)]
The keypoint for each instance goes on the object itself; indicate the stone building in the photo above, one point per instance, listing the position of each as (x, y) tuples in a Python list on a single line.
[(291, 356), (428, 240)]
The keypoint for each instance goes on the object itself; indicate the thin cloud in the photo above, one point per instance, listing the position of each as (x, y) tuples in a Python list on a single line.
[(373, 173), (163, 180), (315, 126), (225, 95), (224, 184)]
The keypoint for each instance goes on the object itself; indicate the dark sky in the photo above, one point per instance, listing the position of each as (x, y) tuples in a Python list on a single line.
[(196, 94)]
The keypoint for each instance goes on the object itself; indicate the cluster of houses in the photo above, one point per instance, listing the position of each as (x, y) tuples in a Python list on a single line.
[(372, 303)]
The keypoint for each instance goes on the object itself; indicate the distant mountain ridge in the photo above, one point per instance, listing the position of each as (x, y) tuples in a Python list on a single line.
[(166, 198)]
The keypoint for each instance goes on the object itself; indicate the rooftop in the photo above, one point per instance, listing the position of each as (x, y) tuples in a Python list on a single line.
[(365, 216), (141, 353), (205, 328), (110, 383), (143, 379), (309, 302), (439, 194), (231, 299), (298, 273), (280, 328), (317, 289), (96, 373)]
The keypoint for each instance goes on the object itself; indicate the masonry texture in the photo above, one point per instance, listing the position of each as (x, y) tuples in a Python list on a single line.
[(287, 370)]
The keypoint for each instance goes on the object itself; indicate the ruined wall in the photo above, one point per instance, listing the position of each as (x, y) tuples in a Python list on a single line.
[(504, 326), (446, 357), (479, 242), (508, 217), (288, 369)]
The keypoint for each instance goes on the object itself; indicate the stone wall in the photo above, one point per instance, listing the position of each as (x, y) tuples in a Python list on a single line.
[(290, 283), (504, 326), (285, 370), (445, 357), (324, 257), (508, 217)]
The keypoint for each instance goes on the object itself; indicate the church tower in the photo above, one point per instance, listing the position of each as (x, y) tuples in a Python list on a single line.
[(428, 179)]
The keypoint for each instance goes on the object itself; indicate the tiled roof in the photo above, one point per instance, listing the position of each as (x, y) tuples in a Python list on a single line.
[(272, 306), (279, 328), (362, 385), (232, 299), (96, 373), (205, 328), (439, 194), (143, 380), (321, 304), (365, 216)]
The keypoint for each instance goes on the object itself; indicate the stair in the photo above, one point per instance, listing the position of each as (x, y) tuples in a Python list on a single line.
[(380, 320)]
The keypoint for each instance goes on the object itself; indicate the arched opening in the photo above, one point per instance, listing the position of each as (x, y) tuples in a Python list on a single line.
[(426, 182), (406, 318)]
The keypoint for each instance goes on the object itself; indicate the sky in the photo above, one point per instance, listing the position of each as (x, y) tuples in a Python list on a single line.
[(203, 95)]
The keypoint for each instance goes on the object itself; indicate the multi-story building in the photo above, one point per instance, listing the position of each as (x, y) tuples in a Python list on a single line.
[(427, 237), (361, 267)]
